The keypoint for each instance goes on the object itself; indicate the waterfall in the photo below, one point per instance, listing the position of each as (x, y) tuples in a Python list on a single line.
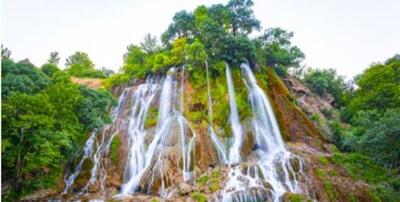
[(137, 157), (267, 133), (87, 152), (146, 161), (271, 171), (102, 149), (234, 151), (217, 144), (159, 157)]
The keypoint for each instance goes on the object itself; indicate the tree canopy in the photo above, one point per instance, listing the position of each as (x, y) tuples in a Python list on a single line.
[(45, 118), (80, 65)]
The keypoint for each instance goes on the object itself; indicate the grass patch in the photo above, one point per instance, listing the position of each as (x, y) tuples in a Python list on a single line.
[(320, 174), (151, 117), (323, 160), (330, 190), (114, 149), (296, 198), (202, 180), (199, 197)]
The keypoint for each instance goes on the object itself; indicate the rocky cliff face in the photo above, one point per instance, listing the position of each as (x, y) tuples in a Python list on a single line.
[(179, 169)]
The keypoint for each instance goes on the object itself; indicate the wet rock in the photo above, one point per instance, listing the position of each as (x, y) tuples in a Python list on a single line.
[(267, 185), (294, 124), (184, 189), (248, 141), (295, 163), (292, 197), (40, 194)]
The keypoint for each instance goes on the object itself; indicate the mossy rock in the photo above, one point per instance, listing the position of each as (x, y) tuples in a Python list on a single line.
[(199, 197), (292, 197)]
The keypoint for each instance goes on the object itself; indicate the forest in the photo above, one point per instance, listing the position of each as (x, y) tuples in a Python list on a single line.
[(46, 117)]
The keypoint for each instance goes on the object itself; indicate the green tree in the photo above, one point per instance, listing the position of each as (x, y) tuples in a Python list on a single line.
[(5, 53), (242, 20), (183, 25), (178, 51), (30, 150), (150, 44), (49, 69), (222, 29), (21, 77), (81, 59), (378, 88), (377, 136), (134, 61), (54, 58), (80, 65), (278, 49), (323, 81), (94, 108), (196, 53), (66, 98)]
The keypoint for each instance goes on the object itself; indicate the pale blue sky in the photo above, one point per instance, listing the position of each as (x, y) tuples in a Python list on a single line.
[(347, 35)]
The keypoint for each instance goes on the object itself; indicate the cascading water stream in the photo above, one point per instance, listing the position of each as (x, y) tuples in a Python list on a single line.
[(162, 155), (87, 152), (234, 150), (267, 133), (101, 150), (145, 156), (137, 157), (270, 172)]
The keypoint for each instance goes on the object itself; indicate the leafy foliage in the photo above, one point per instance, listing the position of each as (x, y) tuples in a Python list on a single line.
[(27, 130), (377, 136), (21, 77), (150, 44), (278, 51), (94, 107), (49, 69), (44, 120), (80, 65), (385, 183), (5, 53), (222, 29), (54, 58), (378, 87), (323, 81)]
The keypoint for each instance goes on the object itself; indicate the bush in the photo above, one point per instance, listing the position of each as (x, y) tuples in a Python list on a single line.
[(115, 80), (199, 197), (385, 183)]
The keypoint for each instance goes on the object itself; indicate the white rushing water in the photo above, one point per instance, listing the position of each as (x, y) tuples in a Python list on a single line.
[(171, 124), (142, 99), (94, 150), (272, 170), (234, 150), (87, 152), (266, 173)]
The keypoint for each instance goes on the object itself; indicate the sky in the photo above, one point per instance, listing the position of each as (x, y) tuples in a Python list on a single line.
[(347, 35)]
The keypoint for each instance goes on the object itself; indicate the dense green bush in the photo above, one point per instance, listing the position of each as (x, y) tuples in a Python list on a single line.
[(377, 136), (44, 121), (378, 87), (80, 65), (385, 182), (323, 81), (21, 77)]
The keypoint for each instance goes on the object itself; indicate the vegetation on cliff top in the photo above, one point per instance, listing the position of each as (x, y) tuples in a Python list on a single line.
[(45, 117)]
